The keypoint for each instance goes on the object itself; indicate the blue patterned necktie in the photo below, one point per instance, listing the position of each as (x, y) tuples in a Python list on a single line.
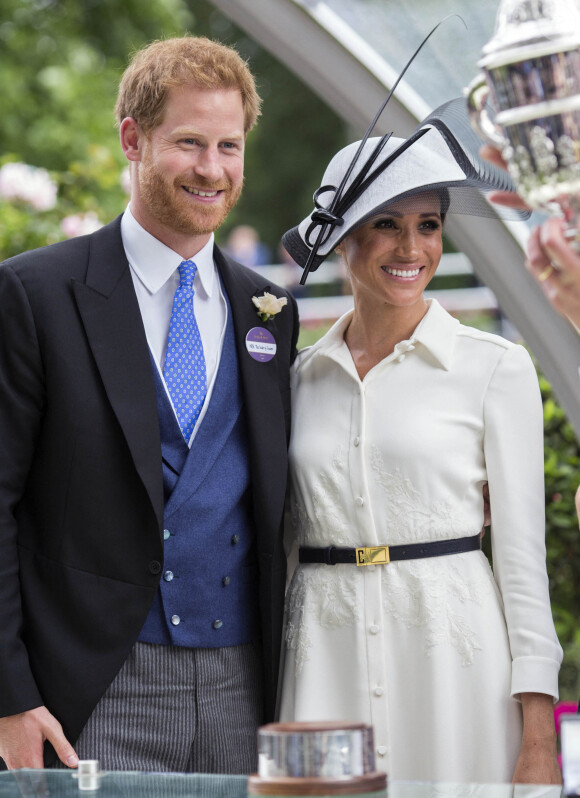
[(184, 368)]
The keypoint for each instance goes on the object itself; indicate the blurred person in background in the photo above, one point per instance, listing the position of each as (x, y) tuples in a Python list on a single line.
[(244, 245)]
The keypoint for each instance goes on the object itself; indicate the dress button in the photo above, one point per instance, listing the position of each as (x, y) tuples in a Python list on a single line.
[(154, 567), (235, 539), (378, 691), (359, 501), (175, 620), (217, 624), (374, 629), (168, 576), (166, 534), (400, 358), (225, 581), (356, 441), (382, 750)]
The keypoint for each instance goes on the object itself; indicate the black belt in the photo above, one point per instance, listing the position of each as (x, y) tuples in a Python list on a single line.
[(382, 555)]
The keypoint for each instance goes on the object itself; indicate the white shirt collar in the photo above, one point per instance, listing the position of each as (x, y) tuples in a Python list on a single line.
[(154, 263), (436, 332)]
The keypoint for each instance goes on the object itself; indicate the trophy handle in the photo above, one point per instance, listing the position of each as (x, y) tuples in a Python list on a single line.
[(476, 94)]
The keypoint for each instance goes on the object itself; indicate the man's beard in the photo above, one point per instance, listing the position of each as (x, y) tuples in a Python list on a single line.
[(162, 201)]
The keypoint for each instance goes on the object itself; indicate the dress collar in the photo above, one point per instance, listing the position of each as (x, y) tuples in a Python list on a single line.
[(154, 263), (436, 333)]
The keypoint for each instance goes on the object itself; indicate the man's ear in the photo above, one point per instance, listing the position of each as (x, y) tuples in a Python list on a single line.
[(131, 139)]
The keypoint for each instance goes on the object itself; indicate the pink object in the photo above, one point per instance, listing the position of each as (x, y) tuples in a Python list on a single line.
[(563, 708)]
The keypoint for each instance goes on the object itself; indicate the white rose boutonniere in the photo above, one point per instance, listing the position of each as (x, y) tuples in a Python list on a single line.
[(269, 305)]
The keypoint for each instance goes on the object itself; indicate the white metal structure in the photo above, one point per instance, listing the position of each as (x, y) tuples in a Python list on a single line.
[(350, 52)]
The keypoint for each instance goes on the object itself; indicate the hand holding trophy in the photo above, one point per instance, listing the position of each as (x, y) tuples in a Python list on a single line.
[(530, 81), (530, 76)]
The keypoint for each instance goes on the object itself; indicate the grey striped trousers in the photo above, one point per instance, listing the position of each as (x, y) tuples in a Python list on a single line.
[(179, 709)]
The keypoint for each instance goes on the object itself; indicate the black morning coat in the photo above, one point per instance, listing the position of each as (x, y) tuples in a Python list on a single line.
[(81, 494)]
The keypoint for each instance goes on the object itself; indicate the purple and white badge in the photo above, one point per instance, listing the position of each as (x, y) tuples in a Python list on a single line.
[(261, 344)]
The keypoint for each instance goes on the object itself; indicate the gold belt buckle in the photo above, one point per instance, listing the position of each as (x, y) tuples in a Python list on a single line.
[(372, 555)]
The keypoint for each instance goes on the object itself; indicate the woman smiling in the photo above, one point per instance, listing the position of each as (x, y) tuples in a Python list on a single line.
[(391, 259), (403, 420)]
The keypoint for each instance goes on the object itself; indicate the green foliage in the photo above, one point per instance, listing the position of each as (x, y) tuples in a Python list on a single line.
[(309, 334), (24, 228), (92, 186), (562, 475), (60, 64)]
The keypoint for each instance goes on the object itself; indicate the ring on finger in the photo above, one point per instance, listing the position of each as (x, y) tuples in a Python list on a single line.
[(543, 275)]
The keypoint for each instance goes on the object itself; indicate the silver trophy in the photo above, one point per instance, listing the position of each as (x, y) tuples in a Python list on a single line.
[(526, 101), (330, 758)]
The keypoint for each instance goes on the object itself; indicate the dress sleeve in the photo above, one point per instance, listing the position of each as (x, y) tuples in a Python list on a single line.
[(513, 446)]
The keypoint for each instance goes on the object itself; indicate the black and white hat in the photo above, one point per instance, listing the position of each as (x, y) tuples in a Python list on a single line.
[(366, 177)]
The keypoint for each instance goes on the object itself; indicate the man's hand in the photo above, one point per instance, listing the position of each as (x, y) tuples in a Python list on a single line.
[(552, 261), (22, 739), (555, 264)]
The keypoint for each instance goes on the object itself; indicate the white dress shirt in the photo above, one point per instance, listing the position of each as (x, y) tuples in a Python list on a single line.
[(155, 277)]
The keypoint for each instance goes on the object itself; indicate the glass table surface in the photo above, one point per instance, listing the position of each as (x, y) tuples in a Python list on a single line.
[(124, 784)]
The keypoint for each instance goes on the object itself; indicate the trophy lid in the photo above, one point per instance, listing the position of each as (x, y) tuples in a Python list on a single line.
[(530, 29)]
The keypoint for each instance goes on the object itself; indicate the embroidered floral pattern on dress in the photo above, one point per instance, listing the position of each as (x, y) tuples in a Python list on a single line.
[(319, 596), (328, 526), (426, 593), (408, 518)]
